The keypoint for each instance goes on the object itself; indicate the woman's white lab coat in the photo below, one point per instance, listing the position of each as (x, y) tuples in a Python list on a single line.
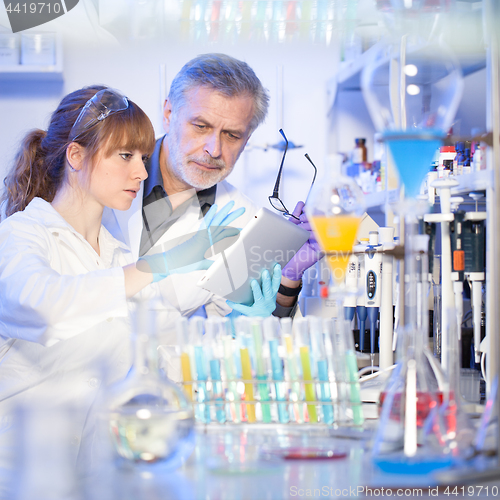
[(64, 317)]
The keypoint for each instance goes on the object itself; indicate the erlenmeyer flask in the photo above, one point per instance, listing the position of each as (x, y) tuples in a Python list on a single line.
[(150, 419), (403, 442)]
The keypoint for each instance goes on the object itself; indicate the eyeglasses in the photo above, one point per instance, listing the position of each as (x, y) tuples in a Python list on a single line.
[(104, 103), (275, 200)]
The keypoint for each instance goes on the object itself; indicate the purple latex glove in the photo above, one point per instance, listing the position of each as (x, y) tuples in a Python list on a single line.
[(308, 254)]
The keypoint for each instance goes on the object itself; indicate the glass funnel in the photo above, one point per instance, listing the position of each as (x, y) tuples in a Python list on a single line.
[(335, 208), (149, 417), (412, 89)]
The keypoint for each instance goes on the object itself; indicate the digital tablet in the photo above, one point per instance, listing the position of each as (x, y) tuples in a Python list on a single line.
[(268, 239)]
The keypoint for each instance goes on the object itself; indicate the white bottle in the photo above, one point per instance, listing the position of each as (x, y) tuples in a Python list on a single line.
[(477, 158)]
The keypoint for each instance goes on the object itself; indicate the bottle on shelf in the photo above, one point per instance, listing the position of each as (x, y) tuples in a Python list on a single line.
[(359, 157), (467, 169)]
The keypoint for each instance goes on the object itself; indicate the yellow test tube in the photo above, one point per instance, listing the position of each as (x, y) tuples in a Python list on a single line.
[(309, 386), (186, 375), (246, 373)]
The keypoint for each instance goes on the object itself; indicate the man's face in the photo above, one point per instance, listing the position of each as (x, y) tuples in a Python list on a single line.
[(206, 135)]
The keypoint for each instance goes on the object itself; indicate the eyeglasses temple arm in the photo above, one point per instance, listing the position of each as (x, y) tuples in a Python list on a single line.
[(278, 180)]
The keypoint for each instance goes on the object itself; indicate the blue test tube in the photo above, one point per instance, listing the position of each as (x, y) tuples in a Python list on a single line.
[(231, 364), (261, 369), (202, 410), (271, 335), (319, 355), (213, 348)]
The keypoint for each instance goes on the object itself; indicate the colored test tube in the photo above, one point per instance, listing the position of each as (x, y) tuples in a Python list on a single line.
[(305, 360), (246, 373), (261, 370), (230, 364), (271, 335), (202, 410), (182, 327), (345, 345), (213, 344), (293, 372), (318, 345)]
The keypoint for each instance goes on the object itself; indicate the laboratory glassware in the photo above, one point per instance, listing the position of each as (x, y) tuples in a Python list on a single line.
[(455, 427), (149, 417), (334, 209)]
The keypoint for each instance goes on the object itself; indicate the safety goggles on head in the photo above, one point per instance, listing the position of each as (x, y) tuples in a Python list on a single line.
[(96, 109)]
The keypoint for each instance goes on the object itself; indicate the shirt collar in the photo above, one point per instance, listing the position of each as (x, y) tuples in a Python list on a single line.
[(153, 168), (205, 196)]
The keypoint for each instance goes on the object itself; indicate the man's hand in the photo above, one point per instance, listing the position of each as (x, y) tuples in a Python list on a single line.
[(265, 299), (306, 257)]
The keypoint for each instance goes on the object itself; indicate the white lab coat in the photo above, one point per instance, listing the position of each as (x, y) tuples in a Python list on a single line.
[(179, 294), (64, 316)]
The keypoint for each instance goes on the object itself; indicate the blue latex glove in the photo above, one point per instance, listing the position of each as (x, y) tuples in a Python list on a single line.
[(308, 254), (265, 299), (190, 255)]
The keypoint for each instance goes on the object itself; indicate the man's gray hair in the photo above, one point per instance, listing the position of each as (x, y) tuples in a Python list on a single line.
[(224, 74)]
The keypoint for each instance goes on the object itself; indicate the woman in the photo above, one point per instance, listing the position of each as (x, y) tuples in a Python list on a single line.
[(65, 282)]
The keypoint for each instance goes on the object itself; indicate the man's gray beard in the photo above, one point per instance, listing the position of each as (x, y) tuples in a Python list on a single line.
[(194, 177)]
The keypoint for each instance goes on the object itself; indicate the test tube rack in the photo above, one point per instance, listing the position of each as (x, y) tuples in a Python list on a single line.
[(282, 384)]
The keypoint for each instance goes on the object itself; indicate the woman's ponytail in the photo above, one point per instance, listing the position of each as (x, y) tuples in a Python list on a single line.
[(28, 177)]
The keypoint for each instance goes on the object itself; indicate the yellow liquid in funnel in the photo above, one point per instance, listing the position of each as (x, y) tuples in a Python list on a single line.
[(336, 237)]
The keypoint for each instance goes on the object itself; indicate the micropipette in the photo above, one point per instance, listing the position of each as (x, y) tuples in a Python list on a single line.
[(361, 305), (474, 267), (373, 270), (386, 328), (351, 283)]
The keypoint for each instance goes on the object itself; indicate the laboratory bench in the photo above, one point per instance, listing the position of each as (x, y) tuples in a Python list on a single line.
[(239, 462)]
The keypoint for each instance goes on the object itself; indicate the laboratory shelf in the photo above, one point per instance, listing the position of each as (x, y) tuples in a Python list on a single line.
[(31, 72), (381, 198), (349, 74), (475, 181), (34, 72)]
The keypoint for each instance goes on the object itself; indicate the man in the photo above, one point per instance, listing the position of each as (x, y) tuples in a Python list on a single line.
[(214, 104)]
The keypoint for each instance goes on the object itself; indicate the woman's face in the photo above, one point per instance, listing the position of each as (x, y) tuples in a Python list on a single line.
[(115, 180)]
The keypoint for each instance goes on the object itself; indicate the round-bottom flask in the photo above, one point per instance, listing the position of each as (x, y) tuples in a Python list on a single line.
[(149, 417)]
